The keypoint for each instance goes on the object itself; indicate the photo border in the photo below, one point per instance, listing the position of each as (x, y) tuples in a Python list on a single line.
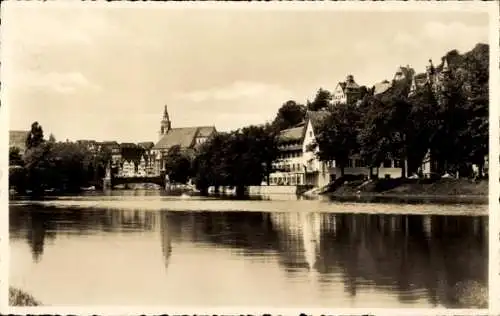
[(494, 188)]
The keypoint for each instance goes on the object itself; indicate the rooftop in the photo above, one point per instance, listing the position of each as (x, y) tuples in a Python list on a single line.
[(183, 136)]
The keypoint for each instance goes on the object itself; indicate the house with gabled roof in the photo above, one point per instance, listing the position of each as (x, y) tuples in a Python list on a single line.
[(296, 163), (188, 138), (147, 162), (346, 92)]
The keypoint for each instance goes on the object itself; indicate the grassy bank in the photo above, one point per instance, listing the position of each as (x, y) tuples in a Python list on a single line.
[(413, 190), (19, 298)]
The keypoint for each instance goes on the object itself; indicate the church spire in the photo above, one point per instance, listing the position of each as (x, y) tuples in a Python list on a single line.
[(166, 125), (165, 114)]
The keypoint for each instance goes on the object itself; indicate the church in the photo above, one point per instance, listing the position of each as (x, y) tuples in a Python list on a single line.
[(188, 138)]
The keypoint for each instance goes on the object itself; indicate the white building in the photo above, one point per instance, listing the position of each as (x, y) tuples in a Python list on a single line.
[(297, 164), (128, 169), (141, 167)]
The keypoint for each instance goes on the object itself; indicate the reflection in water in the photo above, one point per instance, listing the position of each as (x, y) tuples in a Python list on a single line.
[(412, 258), (166, 243)]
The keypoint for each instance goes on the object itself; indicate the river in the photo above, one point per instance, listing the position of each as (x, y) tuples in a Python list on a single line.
[(142, 248)]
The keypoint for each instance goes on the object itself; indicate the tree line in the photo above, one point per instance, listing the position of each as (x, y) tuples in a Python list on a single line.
[(232, 159), (51, 165)]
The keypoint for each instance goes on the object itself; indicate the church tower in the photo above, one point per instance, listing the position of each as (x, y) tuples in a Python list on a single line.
[(166, 125)]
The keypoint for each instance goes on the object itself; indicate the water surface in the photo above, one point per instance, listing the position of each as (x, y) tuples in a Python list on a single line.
[(152, 250)]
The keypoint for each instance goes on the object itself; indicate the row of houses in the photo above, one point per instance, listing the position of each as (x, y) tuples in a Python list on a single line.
[(127, 159)]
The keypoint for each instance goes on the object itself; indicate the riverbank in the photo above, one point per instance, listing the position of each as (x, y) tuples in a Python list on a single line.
[(20, 298), (413, 191)]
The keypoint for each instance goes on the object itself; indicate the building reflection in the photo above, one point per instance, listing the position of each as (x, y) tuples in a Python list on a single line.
[(412, 257), (395, 253), (165, 237)]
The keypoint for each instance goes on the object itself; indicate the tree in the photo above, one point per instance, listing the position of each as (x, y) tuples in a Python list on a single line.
[(37, 164), (35, 136), (178, 165), (240, 158), (321, 101), (373, 139), (15, 158), (424, 123), (337, 135), (290, 114), (476, 92), (210, 165), (70, 167)]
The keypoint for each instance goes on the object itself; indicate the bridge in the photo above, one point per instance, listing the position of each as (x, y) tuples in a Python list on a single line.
[(159, 180), (111, 181)]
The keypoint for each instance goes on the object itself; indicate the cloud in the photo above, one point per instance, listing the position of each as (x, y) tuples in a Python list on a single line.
[(228, 107), (236, 91), (439, 31), (63, 83), (406, 40), (39, 27)]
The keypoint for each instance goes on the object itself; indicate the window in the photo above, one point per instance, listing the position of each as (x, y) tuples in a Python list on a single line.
[(310, 134)]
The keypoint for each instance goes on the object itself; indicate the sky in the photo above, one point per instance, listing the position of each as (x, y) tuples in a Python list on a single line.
[(106, 72)]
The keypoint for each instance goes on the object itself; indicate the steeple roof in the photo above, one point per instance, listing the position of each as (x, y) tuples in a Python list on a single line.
[(165, 114)]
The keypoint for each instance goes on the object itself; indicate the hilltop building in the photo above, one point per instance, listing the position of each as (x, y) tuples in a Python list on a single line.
[(346, 92), (188, 138), (435, 77), (402, 73)]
